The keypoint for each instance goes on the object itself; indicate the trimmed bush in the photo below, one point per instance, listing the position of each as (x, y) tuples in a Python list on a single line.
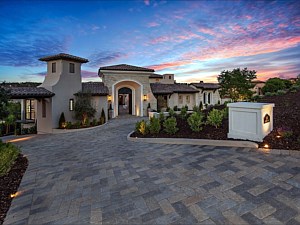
[(175, 108), (141, 127), (183, 113), (170, 125), (225, 112), (8, 155), (171, 113), (195, 121), (62, 120), (201, 105), (215, 117), (154, 126), (161, 117), (281, 92), (102, 117), (196, 109)]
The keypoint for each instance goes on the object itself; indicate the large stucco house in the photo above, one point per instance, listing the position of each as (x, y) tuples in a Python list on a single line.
[(124, 89)]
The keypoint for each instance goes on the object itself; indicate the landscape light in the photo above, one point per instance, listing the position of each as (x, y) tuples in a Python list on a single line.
[(266, 146)]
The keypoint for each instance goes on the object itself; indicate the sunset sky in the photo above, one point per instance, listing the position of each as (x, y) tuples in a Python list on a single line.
[(195, 40)]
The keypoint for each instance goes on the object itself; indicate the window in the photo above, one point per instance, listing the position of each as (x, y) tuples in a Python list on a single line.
[(204, 97), (53, 67), (72, 68), (157, 80), (187, 99), (208, 98), (170, 77), (180, 99), (44, 110), (71, 105), (30, 112)]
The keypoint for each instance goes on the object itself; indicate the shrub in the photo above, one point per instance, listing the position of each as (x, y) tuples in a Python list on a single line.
[(68, 125), (102, 117), (168, 109), (295, 88), (76, 125), (170, 125), (95, 123), (196, 109), (161, 117), (154, 126), (281, 92), (175, 108), (141, 127), (201, 105), (62, 121), (183, 113), (215, 117), (171, 113), (269, 94), (285, 132), (8, 154), (196, 121), (225, 112)]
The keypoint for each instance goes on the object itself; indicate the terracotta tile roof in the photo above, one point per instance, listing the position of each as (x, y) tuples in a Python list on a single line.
[(64, 56), (257, 81), (28, 92), (206, 85), (125, 67), (155, 75), (158, 88), (95, 88)]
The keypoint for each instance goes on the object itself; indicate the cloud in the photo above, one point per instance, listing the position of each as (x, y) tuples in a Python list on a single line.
[(147, 2), (104, 57), (89, 74), (153, 24)]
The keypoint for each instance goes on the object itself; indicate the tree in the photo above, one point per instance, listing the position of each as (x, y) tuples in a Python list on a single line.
[(83, 107), (4, 97), (274, 84), (237, 83)]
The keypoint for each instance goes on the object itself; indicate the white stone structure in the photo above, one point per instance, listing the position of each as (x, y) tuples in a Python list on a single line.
[(250, 121)]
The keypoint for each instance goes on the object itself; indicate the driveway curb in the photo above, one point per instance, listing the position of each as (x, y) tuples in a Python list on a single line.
[(187, 141)]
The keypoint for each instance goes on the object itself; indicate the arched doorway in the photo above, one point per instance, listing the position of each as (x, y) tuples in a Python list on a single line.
[(125, 101), (122, 91)]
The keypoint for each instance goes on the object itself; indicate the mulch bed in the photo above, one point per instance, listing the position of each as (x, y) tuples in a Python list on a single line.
[(286, 117), (9, 184)]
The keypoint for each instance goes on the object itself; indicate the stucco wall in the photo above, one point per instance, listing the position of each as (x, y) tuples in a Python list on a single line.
[(64, 85), (44, 124), (99, 103)]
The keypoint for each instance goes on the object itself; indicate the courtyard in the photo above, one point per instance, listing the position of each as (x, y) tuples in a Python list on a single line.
[(96, 176)]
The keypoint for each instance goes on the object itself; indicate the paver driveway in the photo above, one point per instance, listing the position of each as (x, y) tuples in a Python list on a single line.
[(97, 176)]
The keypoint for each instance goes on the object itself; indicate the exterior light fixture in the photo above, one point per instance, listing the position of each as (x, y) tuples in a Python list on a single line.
[(71, 104), (266, 146), (109, 98), (145, 97)]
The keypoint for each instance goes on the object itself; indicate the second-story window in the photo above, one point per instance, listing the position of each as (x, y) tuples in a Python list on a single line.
[(53, 67), (72, 68)]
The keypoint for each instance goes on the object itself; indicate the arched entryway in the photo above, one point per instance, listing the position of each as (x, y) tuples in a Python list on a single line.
[(125, 101), (127, 94)]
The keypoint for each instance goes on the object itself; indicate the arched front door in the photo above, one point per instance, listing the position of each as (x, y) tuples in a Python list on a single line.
[(127, 95), (125, 101)]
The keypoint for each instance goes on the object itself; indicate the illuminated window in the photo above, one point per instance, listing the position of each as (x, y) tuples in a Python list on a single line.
[(187, 99), (72, 68), (30, 112), (53, 67), (71, 104), (180, 99)]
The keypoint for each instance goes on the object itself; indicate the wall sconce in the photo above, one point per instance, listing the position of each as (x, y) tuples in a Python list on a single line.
[(145, 97), (109, 98), (71, 104)]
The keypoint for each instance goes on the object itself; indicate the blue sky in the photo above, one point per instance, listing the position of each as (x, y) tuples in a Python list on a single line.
[(195, 40)]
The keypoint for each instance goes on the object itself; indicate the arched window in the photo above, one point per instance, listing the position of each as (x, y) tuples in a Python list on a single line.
[(204, 97), (208, 98)]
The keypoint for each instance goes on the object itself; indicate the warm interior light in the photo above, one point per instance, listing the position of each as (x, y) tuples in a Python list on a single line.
[(145, 97), (109, 98), (266, 146)]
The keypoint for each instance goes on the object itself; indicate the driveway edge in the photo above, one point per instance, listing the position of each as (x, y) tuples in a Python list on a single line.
[(187, 141)]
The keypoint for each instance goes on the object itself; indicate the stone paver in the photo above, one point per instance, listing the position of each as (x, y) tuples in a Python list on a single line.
[(98, 177)]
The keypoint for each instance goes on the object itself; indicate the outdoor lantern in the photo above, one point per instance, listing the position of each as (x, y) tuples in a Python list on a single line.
[(109, 98), (145, 97)]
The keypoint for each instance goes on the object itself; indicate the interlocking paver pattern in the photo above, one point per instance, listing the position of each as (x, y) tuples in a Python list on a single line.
[(98, 177)]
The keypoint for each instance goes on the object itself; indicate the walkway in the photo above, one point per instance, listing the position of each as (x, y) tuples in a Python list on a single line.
[(97, 176)]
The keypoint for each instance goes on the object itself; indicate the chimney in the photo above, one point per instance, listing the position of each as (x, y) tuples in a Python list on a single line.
[(201, 81)]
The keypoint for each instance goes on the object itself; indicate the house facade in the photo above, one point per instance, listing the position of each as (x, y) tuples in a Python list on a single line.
[(122, 89)]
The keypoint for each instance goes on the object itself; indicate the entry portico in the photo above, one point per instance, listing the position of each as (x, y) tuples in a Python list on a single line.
[(134, 78)]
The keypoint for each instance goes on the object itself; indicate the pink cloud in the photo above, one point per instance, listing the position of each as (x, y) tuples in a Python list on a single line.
[(168, 65), (153, 24), (147, 2), (206, 31)]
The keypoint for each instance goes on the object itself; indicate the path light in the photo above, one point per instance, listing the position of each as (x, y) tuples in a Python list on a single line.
[(266, 146), (15, 194), (278, 136), (145, 97)]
